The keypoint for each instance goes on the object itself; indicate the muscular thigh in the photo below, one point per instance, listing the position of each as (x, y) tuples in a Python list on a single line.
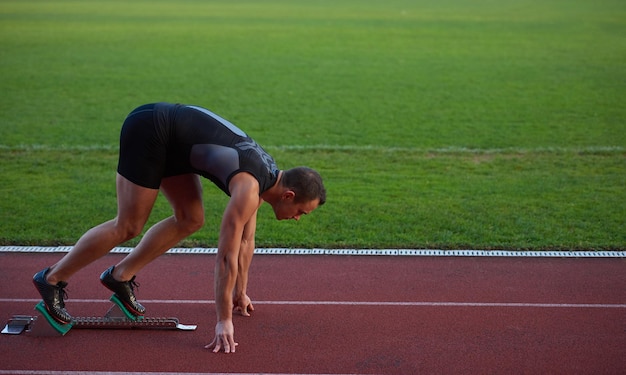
[(134, 202), (184, 192)]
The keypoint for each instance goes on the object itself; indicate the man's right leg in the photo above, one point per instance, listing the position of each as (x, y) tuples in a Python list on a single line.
[(134, 206), (184, 193)]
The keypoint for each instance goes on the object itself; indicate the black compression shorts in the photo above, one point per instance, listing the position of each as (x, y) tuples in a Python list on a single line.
[(142, 158)]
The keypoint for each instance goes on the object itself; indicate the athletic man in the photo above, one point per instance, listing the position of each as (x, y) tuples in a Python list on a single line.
[(165, 147)]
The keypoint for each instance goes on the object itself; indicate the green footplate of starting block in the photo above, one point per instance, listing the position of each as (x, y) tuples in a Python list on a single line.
[(126, 312), (59, 327)]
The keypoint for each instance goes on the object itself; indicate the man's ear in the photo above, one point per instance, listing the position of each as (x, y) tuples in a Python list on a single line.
[(289, 195)]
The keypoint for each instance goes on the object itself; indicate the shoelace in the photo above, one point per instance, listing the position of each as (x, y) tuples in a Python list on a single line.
[(63, 295), (133, 284)]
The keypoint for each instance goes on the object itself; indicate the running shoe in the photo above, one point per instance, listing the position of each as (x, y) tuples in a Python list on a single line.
[(124, 290), (53, 297)]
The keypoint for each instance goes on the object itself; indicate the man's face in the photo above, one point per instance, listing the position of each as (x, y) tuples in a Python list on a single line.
[(287, 209)]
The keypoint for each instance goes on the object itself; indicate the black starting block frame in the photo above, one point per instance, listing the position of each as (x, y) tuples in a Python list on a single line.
[(117, 317)]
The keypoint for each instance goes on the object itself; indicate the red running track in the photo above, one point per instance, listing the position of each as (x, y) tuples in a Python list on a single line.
[(343, 315)]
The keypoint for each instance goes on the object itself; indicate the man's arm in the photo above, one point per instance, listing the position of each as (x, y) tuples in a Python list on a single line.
[(241, 300), (242, 206)]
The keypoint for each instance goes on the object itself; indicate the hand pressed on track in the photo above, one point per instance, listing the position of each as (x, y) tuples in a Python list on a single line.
[(224, 337), (243, 305)]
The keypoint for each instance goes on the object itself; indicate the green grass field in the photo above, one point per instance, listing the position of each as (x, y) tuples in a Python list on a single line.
[(435, 123)]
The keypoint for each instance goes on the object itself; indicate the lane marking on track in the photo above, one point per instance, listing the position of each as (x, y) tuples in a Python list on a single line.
[(350, 252), (359, 303)]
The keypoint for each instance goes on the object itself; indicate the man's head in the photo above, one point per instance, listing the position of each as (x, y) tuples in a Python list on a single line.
[(302, 192)]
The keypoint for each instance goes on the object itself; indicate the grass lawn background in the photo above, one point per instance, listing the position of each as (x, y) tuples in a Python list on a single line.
[(446, 124)]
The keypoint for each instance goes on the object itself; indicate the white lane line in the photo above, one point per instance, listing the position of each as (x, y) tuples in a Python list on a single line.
[(347, 252), (358, 303)]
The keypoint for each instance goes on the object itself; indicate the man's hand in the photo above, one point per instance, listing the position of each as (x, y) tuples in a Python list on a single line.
[(243, 305), (224, 337)]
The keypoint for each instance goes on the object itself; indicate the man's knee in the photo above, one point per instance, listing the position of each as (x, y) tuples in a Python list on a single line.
[(129, 230), (191, 221)]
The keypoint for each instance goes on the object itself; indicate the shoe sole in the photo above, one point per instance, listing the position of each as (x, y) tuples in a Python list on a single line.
[(131, 309), (62, 328)]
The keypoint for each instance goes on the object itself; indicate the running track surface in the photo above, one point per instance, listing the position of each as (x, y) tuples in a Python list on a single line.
[(342, 315)]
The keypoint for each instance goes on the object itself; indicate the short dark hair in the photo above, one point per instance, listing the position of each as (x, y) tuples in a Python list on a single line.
[(306, 183)]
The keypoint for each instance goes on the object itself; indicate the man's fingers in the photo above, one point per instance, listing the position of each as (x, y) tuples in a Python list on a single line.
[(224, 336), (245, 310), (240, 311), (216, 345), (213, 345), (231, 346)]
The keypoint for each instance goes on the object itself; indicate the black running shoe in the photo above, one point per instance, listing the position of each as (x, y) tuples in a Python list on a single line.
[(53, 297), (124, 290)]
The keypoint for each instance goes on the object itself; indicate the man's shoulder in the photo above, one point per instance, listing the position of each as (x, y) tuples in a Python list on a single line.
[(243, 182)]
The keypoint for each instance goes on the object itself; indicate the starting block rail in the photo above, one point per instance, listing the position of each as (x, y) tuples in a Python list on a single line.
[(118, 317)]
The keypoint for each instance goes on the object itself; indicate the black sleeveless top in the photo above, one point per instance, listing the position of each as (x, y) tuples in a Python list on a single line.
[(196, 140)]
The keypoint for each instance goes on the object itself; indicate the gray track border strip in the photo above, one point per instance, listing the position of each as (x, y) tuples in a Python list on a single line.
[(354, 252)]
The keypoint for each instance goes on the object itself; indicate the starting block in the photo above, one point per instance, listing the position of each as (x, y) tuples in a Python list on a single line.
[(117, 317)]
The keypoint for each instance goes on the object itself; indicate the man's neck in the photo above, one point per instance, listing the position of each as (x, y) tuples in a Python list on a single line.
[(273, 194)]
